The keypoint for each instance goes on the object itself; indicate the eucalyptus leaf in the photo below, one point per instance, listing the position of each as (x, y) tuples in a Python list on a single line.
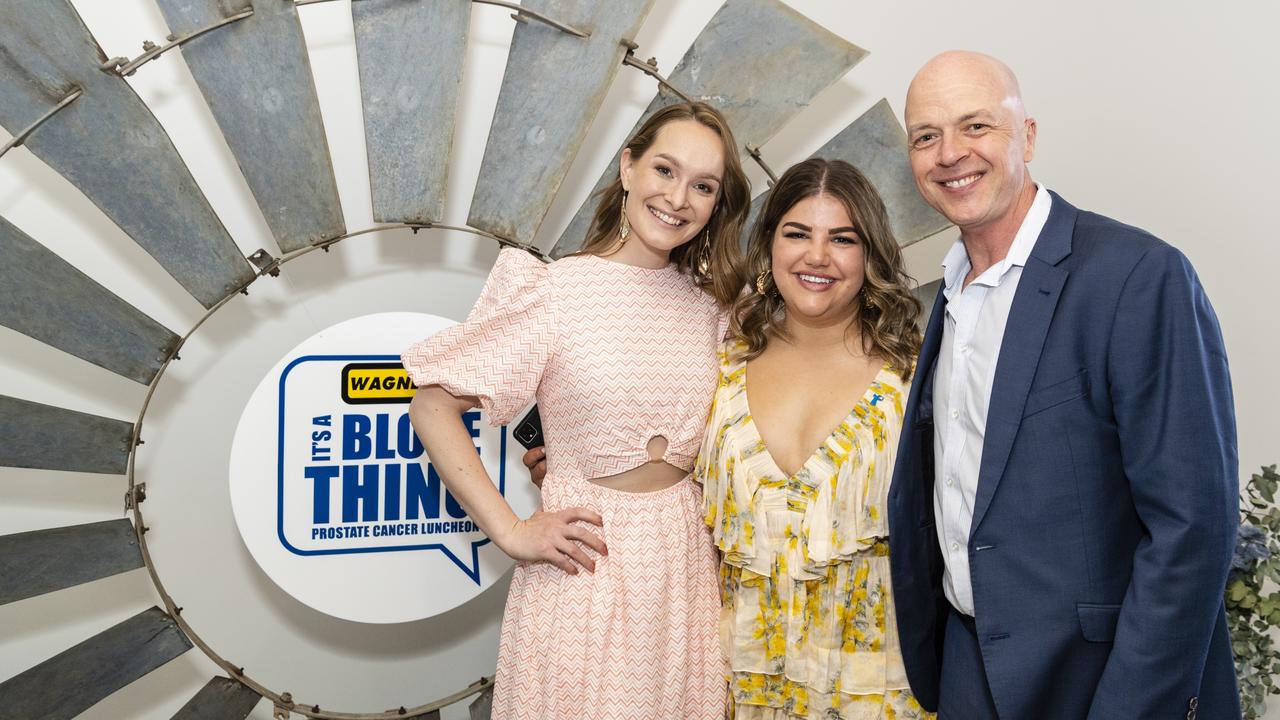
[(1253, 594), (1237, 591)]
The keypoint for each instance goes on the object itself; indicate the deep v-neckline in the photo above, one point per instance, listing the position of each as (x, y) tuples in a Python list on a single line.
[(817, 452)]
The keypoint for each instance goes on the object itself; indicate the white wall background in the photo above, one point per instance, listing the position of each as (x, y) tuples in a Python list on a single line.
[(1158, 114)]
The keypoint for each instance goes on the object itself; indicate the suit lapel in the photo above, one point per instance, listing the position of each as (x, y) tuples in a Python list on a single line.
[(921, 402), (1029, 318), (910, 478)]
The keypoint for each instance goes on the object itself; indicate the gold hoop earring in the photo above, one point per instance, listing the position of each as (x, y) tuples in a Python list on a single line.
[(867, 302), (624, 227), (762, 280), (703, 266)]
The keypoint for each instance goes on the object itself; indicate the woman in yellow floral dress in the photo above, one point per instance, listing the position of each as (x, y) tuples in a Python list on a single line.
[(799, 452)]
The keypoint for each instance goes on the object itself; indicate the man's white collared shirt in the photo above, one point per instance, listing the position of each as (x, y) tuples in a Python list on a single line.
[(972, 332)]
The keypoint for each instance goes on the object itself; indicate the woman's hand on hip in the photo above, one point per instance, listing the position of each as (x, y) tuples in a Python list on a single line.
[(552, 537)]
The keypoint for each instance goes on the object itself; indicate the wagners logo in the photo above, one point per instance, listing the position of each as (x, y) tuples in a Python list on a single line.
[(376, 383)]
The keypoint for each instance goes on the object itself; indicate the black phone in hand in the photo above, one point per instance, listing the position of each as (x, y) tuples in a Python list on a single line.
[(528, 431)]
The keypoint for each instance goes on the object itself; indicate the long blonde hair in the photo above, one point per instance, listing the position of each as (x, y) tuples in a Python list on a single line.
[(886, 309), (724, 230)]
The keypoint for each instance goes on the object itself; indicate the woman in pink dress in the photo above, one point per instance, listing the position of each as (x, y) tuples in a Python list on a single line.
[(613, 605)]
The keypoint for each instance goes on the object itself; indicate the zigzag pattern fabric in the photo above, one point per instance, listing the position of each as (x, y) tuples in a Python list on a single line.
[(637, 639), (614, 355)]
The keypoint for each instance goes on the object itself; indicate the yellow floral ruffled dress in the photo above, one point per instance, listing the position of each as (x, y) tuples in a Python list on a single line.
[(807, 621)]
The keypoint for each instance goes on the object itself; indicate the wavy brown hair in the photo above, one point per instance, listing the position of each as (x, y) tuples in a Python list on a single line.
[(888, 327), (724, 279)]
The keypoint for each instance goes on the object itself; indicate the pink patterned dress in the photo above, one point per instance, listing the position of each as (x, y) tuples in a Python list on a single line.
[(614, 355)]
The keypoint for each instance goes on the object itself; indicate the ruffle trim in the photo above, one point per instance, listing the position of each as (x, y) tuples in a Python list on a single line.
[(834, 634), (774, 697), (840, 492)]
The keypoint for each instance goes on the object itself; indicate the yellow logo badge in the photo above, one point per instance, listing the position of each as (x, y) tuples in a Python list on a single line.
[(376, 382)]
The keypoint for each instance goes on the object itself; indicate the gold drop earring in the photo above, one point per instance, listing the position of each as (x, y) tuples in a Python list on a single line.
[(704, 254), (624, 227), (761, 282)]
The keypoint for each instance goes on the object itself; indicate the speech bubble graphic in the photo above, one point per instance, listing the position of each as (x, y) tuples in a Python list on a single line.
[(360, 481), (334, 495)]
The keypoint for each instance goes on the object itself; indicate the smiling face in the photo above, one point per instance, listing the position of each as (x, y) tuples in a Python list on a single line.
[(970, 141), (818, 262), (671, 190)]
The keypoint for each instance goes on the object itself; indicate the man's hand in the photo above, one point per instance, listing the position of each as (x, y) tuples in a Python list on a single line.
[(536, 461)]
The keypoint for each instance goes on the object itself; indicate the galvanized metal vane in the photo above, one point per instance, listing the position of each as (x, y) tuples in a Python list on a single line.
[(553, 86), (34, 563), (72, 681), (744, 62), (256, 77), (876, 144), (482, 707), (48, 299), (54, 438), (410, 56), (220, 699), (109, 145)]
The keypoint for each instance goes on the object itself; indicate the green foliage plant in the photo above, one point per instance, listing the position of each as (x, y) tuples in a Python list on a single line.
[(1253, 593)]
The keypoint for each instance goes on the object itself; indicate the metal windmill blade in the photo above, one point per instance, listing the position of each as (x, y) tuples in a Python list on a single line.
[(553, 86), (41, 561), (48, 299), (877, 145), (72, 681), (220, 699), (271, 120), (107, 143), (744, 62), (482, 706), (53, 438), (409, 89)]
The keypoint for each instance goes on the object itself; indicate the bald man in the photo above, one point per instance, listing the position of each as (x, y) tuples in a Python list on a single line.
[(1065, 498)]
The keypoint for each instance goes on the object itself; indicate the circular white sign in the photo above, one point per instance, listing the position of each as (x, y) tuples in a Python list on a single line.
[(333, 494)]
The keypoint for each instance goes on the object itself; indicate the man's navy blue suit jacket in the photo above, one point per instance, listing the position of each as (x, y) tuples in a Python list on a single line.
[(1106, 508)]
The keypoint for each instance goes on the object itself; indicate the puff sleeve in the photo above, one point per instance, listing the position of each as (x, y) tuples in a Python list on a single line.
[(499, 352)]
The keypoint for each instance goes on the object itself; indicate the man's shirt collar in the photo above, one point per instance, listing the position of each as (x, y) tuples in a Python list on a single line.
[(956, 266)]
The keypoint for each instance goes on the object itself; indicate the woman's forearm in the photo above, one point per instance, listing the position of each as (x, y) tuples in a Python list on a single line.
[(437, 418)]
